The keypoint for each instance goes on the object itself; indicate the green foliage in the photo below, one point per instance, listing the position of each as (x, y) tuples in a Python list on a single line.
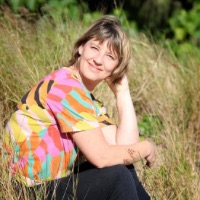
[(150, 125), (63, 9), (88, 18), (182, 49), (31, 5), (186, 24), (150, 15), (129, 26), (15, 4)]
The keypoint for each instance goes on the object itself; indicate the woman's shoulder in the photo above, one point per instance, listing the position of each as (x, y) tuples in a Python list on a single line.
[(59, 74), (65, 81), (63, 76)]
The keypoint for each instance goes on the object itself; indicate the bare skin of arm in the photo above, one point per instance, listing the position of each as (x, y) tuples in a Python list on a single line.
[(96, 149), (127, 130), (114, 145)]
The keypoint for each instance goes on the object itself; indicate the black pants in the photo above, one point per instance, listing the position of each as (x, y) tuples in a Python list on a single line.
[(90, 183)]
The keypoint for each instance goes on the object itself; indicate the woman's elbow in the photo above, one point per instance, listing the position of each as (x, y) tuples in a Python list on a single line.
[(101, 162)]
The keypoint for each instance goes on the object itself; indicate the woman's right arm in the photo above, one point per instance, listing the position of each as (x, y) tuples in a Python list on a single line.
[(94, 147)]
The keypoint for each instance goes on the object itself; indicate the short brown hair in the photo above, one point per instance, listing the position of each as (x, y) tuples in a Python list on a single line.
[(107, 27)]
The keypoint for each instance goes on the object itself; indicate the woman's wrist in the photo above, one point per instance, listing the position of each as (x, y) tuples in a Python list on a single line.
[(144, 149), (122, 92)]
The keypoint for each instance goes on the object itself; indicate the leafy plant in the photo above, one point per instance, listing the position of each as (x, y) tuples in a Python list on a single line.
[(31, 5), (149, 125), (63, 9), (186, 24), (185, 27)]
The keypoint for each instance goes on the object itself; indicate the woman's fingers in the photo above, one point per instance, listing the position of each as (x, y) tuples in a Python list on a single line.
[(118, 87), (151, 158)]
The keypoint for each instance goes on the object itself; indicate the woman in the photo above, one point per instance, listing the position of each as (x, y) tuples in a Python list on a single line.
[(59, 124)]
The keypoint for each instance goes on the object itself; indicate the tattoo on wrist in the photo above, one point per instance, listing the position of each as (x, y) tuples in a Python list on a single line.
[(134, 157)]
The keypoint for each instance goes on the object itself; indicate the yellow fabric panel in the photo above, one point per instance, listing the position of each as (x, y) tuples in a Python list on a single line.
[(81, 125), (17, 131), (88, 116), (34, 125), (41, 114)]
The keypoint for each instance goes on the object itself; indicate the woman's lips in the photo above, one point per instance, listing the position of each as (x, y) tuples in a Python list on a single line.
[(95, 68)]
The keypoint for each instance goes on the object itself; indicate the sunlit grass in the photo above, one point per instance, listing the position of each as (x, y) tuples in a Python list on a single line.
[(165, 93)]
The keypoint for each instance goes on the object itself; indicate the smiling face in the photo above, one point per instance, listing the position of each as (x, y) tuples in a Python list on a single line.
[(97, 61)]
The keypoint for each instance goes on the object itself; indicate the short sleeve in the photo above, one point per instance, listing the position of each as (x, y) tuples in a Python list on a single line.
[(102, 115), (72, 107)]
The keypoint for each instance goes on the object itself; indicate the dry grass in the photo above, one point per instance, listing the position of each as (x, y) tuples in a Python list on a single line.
[(161, 87)]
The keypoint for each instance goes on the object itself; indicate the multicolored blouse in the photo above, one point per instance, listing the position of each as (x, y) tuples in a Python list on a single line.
[(42, 125)]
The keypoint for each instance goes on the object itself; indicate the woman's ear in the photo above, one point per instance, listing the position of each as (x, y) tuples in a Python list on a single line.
[(80, 49)]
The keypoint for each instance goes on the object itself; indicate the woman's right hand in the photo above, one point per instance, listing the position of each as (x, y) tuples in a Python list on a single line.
[(105, 155)]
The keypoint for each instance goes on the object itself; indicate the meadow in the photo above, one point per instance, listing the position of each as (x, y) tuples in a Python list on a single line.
[(165, 90)]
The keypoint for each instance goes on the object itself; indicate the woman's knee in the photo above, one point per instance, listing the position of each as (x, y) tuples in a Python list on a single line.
[(120, 169), (121, 172), (124, 185)]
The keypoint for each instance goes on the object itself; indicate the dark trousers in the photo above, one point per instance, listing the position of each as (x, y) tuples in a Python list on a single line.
[(90, 183)]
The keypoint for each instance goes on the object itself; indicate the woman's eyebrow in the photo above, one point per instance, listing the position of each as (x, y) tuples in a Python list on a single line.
[(112, 52), (93, 43), (109, 51)]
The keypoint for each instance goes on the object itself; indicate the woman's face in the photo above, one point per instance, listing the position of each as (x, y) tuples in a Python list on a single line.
[(97, 62)]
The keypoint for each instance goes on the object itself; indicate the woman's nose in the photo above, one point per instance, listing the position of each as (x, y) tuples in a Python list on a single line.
[(98, 59)]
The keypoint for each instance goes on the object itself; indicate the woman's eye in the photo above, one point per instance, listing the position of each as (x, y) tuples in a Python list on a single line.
[(93, 47), (110, 56)]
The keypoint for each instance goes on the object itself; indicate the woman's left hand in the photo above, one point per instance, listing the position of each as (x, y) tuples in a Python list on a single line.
[(122, 86)]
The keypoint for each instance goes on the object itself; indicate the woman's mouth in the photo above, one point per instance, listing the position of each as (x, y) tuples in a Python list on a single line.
[(95, 68)]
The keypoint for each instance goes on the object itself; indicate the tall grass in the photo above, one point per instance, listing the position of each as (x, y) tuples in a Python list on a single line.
[(162, 87)]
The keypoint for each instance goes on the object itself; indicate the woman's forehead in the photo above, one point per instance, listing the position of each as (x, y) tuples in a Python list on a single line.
[(110, 44)]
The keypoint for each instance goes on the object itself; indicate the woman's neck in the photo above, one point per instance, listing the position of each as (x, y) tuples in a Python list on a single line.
[(89, 85)]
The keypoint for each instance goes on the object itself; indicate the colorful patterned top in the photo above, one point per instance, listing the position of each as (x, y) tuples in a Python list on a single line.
[(41, 127)]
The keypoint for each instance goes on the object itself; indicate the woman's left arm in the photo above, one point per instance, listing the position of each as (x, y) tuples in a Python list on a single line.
[(127, 131)]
